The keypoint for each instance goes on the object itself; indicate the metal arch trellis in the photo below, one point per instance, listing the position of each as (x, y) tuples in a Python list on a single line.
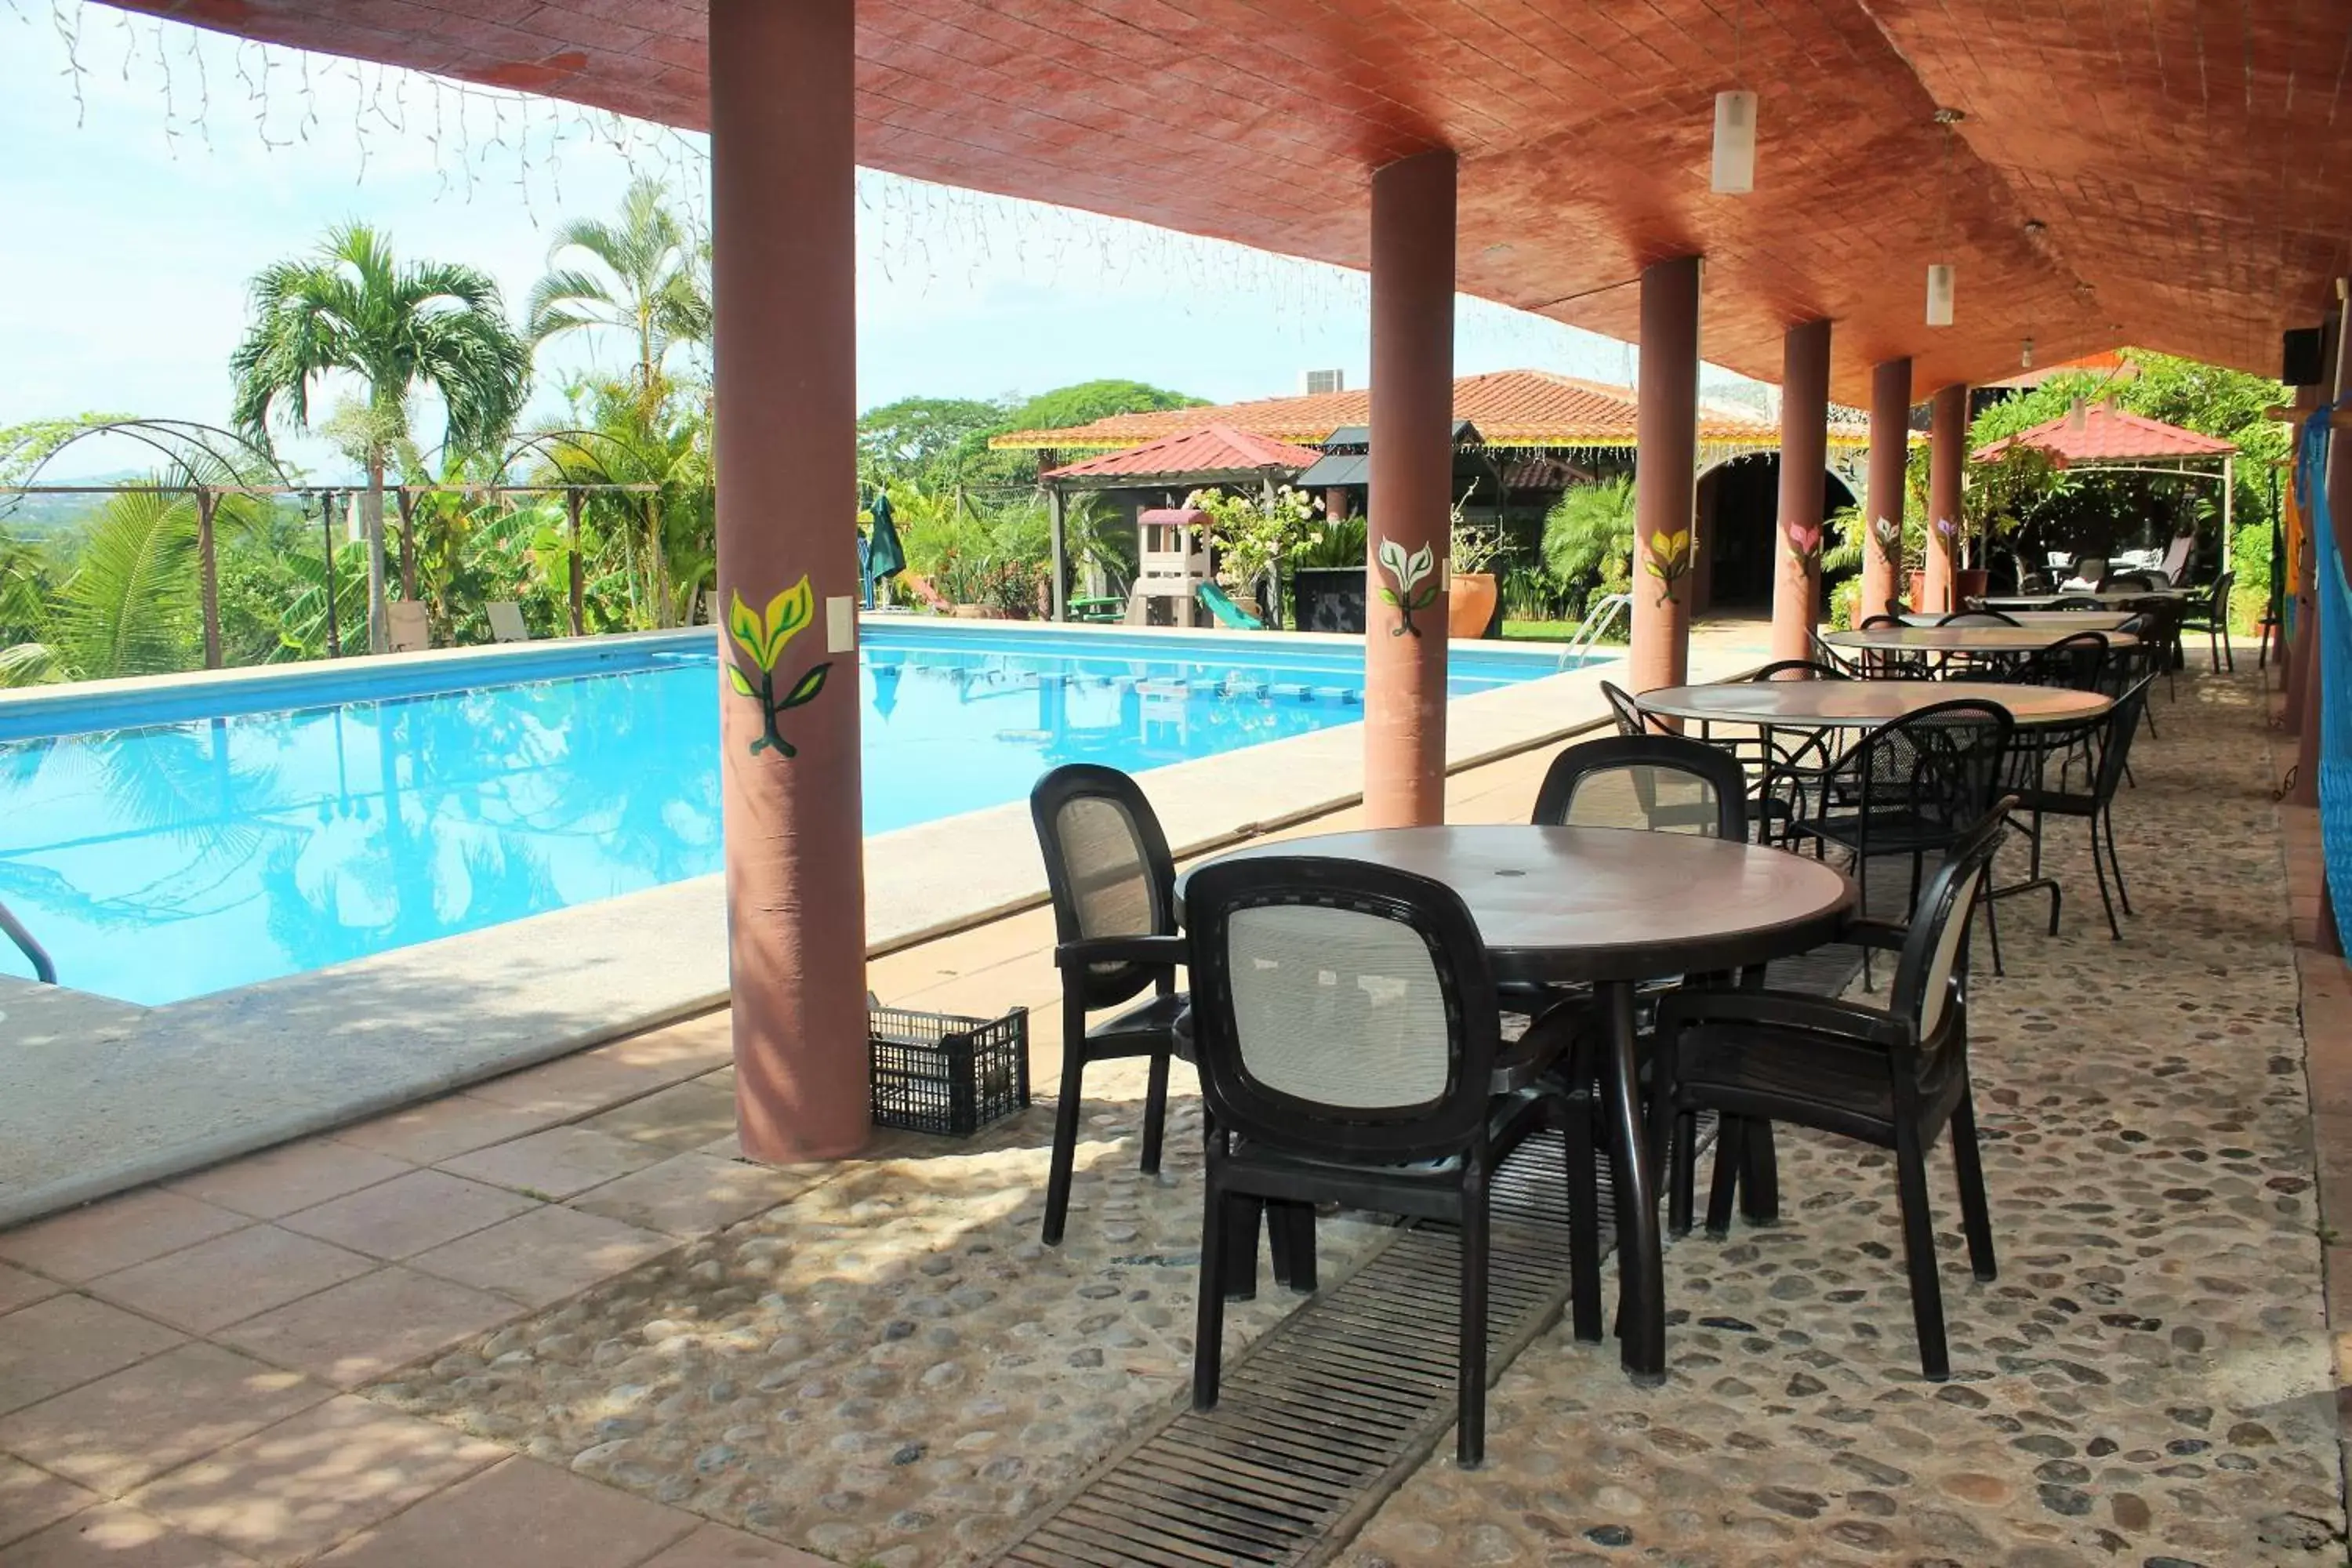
[(208, 462)]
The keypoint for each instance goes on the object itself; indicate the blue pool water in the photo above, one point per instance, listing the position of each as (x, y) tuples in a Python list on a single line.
[(173, 849)]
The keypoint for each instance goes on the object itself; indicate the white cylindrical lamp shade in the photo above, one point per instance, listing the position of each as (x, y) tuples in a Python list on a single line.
[(1939, 294), (1734, 143)]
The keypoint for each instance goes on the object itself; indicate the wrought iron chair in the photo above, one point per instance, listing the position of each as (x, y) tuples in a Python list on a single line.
[(1799, 670), (1829, 658), (2127, 583), (1918, 784), (1882, 664), (2077, 660), (2106, 743), (1892, 1077), (1631, 720), (1114, 890), (2213, 617), (1979, 617), (1350, 1047)]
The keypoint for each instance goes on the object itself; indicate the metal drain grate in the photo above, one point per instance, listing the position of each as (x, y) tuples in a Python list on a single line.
[(1325, 1416), (1321, 1417)]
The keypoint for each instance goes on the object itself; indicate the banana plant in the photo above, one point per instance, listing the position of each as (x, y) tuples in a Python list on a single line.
[(1411, 575), (761, 637)]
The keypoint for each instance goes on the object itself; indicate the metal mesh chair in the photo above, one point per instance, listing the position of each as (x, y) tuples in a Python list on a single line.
[(1114, 891), (2077, 660), (1801, 670), (2106, 744), (1918, 784), (1631, 720), (1883, 664), (1892, 1077), (1351, 1051), (2127, 583), (1978, 619), (2211, 616)]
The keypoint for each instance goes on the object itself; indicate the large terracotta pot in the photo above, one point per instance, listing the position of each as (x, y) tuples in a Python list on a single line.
[(1971, 583), (1470, 604)]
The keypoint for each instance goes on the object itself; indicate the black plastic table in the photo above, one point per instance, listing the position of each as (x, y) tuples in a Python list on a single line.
[(1612, 907)]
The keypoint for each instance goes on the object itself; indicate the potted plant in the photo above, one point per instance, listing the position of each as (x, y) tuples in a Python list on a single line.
[(1473, 593)]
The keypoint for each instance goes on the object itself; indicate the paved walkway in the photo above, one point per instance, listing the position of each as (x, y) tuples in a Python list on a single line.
[(192, 1374), (551, 1321)]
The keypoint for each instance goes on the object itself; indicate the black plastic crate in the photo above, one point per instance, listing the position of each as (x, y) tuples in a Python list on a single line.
[(937, 1073)]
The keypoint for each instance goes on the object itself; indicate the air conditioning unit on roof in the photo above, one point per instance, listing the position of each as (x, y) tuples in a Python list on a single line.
[(1315, 381)]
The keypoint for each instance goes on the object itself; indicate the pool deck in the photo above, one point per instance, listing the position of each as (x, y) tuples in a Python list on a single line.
[(98, 1096)]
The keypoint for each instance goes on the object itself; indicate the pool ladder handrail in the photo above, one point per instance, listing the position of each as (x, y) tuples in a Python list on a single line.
[(1598, 619), (43, 970)]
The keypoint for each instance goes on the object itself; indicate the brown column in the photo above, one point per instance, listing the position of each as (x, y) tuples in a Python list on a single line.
[(1411, 490), (1804, 480), (208, 575), (1335, 503), (1948, 455), (784, 279), (1882, 506), (1665, 477)]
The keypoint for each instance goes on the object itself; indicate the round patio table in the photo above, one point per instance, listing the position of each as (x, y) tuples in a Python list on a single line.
[(1863, 704), (2066, 621), (1964, 639), (1612, 906)]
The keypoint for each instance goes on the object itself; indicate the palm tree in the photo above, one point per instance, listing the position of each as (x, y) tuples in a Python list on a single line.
[(352, 306), (1589, 533), (645, 280)]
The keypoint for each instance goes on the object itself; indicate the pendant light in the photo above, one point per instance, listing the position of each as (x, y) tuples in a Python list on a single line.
[(1942, 279), (1734, 172)]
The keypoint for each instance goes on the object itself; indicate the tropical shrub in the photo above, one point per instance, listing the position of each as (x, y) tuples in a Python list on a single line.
[(1588, 539)]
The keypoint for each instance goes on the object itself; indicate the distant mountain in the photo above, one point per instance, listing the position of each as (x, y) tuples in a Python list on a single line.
[(28, 515)]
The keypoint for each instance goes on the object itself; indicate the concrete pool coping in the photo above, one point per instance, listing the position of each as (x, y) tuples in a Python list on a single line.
[(98, 1096)]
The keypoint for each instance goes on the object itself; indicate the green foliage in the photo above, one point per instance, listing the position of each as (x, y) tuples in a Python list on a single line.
[(1088, 401), (926, 440), (1342, 544), (2250, 596), (1587, 539), (131, 605), (353, 306), (1254, 533), (642, 275)]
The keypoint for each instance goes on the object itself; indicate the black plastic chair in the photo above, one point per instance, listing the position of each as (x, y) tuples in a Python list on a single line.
[(2107, 746), (2212, 618), (1894, 1078), (1918, 784), (1114, 890), (1662, 784), (1351, 1051)]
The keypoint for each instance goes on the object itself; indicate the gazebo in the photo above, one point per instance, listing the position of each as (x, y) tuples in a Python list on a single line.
[(2100, 438), (1188, 460)]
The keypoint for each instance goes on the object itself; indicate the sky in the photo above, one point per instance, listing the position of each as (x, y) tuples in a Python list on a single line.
[(148, 169)]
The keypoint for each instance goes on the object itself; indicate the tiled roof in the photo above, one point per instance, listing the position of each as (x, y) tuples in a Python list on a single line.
[(1214, 449), (1510, 408), (2108, 434)]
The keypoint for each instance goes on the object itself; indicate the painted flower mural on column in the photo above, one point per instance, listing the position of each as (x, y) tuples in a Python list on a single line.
[(762, 637), (1411, 575), (1667, 557), (1804, 546)]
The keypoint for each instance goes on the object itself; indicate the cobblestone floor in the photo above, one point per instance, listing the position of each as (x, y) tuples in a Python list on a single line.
[(889, 1368), (2148, 1383)]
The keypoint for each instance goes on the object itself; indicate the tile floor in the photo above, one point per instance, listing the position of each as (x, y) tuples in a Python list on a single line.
[(176, 1362)]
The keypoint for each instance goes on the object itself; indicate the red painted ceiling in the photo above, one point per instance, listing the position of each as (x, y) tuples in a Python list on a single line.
[(2170, 172)]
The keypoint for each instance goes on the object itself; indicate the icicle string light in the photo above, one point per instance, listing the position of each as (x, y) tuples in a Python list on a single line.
[(913, 235)]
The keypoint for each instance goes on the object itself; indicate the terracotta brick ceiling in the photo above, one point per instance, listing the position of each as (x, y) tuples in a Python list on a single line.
[(2171, 172)]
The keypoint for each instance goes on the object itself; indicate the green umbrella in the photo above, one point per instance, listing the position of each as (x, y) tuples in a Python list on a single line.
[(883, 555)]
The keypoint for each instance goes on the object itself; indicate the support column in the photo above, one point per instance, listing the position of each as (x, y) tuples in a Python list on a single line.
[(208, 575), (1665, 474), (785, 290), (576, 587), (1409, 508), (1057, 522), (1948, 457), (1890, 449), (1804, 483)]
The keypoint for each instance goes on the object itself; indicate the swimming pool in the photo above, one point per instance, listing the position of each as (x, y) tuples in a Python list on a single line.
[(171, 842)]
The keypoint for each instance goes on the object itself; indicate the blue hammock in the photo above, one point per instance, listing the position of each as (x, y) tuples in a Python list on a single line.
[(2334, 780)]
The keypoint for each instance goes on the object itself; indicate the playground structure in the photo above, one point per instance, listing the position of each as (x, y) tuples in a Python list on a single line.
[(1172, 565)]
